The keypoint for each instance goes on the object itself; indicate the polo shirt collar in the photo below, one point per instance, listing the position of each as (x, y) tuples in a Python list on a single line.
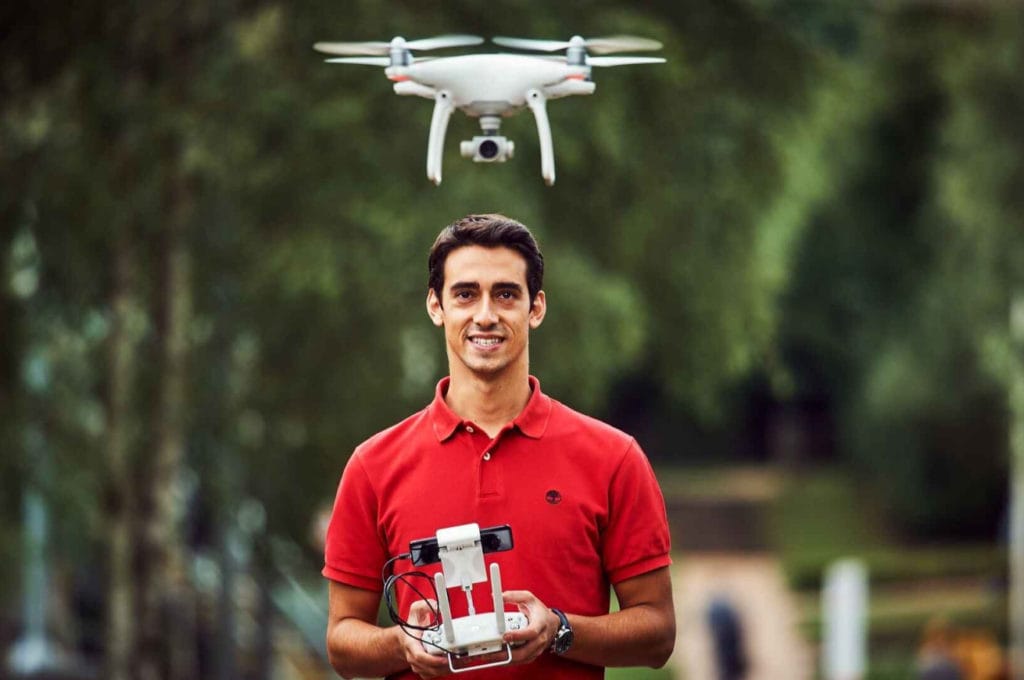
[(532, 421)]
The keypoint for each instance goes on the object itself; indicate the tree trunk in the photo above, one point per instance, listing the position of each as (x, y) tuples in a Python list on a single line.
[(120, 614), (169, 605)]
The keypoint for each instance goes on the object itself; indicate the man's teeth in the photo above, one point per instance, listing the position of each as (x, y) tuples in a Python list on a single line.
[(487, 341)]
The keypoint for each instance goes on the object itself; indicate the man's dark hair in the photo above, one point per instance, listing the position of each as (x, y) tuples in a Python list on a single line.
[(489, 231)]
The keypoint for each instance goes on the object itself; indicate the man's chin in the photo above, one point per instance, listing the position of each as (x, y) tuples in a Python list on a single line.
[(488, 370), (485, 367)]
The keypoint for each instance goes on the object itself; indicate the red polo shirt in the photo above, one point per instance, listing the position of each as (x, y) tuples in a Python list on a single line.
[(581, 498)]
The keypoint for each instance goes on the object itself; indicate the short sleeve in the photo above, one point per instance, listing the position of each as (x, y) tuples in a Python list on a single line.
[(636, 539), (353, 551)]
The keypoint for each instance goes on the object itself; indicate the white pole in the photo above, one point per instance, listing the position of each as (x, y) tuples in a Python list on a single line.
[(1016, 394), (845, 611), (35, 651)]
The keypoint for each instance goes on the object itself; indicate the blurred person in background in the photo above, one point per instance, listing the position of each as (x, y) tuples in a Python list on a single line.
[(949, 653), (935, 658), (727, 637)]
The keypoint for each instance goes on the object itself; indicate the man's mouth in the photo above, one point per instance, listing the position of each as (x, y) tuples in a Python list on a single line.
[(486, 342)]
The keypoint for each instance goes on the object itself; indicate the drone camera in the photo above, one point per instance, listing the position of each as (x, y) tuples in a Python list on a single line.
[(488, 149)]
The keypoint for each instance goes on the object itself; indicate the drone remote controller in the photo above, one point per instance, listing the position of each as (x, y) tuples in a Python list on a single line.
[(476, 635), (461, 553)]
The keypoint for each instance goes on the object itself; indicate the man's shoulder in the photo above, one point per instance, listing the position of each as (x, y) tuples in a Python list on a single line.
[(568, 421), (390, 439)]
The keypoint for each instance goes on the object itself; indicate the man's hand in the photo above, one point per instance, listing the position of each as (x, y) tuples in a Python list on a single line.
[(423, 663), (542, 624), (527, 643)]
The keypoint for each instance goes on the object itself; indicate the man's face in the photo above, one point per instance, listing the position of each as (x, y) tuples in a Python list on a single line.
[(485, 310)]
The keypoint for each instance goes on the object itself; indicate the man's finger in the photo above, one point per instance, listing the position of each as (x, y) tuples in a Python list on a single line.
[(518, 596)]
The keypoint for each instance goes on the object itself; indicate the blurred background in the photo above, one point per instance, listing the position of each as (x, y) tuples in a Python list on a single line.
[(786, 260)]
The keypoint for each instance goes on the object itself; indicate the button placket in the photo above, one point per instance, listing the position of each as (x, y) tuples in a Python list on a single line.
[(490, 469)]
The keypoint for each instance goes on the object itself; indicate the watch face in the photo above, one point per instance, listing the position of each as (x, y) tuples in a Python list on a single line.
[(563, 641), (563, 636)]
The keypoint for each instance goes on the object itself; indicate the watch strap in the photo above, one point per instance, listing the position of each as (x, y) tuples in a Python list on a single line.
[(563, 636)]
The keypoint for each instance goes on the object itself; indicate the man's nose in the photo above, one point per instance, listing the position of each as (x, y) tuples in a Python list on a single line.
[(485, 315)]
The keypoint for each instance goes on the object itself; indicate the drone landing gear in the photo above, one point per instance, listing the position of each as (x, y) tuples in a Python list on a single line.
[(443, 107), (537, 102), (491, 146)]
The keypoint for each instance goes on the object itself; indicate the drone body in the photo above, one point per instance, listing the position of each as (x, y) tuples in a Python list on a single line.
[(483, 84), (490, 86)]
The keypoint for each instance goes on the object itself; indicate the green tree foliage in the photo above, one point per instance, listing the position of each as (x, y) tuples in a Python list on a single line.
[(309, 216), (900, 302)]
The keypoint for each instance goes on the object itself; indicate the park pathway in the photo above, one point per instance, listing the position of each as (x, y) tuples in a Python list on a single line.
[(755, 585), (720, 534)]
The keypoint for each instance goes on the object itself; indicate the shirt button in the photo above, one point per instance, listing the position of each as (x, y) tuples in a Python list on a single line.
[(469, 429), (487, 455)]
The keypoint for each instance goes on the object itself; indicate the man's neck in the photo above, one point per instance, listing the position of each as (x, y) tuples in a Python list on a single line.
[(490, 403)]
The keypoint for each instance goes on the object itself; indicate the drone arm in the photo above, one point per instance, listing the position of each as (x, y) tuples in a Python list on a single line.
[(536, 100), (410, 87), (443, 107), (569, 87)]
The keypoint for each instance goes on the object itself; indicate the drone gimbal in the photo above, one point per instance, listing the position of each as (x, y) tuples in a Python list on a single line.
[(492, 147)]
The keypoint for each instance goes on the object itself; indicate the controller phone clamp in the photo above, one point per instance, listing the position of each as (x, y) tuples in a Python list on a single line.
[(461, 553)]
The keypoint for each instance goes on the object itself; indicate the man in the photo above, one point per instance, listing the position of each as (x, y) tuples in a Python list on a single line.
[(581, 498)]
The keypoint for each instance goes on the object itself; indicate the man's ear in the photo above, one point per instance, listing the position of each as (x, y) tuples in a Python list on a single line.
[(538, 309), (434, 309)]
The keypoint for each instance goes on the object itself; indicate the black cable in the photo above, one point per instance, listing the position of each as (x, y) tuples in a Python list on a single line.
[(391, 593), (389, 565), (390, 579)]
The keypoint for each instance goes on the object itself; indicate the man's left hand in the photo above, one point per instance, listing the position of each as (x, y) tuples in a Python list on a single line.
[(542, 624)]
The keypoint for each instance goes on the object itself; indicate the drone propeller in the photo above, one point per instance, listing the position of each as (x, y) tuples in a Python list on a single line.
[(399, 43), (605, 61), (605, 45), (366, 61), (352, 47), (623, 61), (442, 41)]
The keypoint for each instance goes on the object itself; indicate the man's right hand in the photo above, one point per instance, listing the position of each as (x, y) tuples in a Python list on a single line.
[(422, 662)]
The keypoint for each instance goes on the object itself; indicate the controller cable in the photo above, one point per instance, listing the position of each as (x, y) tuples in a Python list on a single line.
[(390, 580)]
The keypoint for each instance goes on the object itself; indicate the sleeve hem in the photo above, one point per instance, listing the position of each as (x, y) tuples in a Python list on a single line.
[(639, 567), (350, 579)]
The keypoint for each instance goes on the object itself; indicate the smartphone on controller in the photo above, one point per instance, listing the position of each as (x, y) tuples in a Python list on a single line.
[(425, 551)]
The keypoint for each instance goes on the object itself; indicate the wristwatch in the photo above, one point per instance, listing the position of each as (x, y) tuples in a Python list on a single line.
[(563, 637)]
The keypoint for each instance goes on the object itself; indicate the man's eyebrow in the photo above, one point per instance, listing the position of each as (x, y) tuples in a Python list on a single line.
[(464, 285), (473, 285), (507, 285)]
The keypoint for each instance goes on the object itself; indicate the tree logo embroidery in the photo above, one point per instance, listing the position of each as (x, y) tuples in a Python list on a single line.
[(553, 497)]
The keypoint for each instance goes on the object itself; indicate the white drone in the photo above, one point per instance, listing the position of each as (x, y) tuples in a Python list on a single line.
[(490, 86)]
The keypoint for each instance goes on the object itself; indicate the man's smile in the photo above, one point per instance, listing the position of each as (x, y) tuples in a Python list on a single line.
[(486, 340)]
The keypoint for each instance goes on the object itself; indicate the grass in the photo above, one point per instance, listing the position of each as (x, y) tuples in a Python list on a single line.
[(638, 674), (817, 517), (821, 517)]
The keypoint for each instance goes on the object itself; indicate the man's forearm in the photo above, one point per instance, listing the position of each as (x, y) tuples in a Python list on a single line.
[(642, 635), (360, 649)]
